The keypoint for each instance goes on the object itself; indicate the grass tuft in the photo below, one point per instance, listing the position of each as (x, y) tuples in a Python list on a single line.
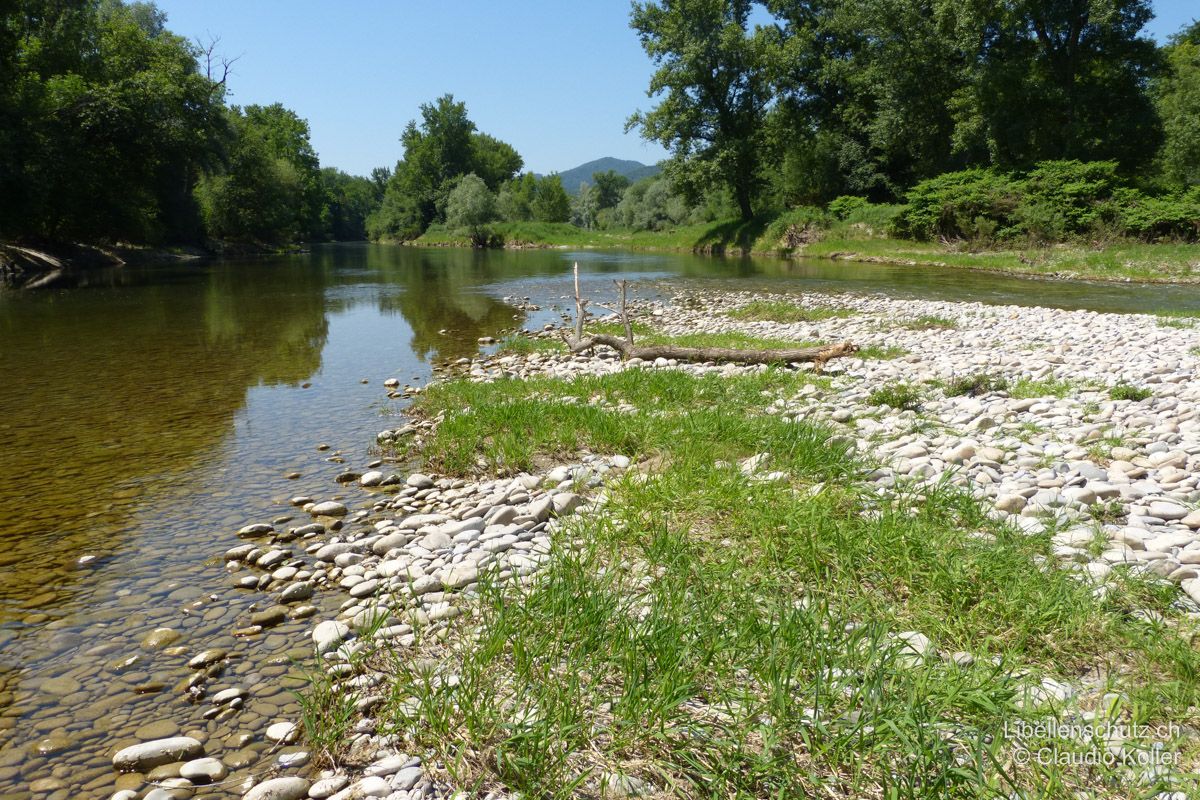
[(902, 396), (1125, 391), (928, 322), (784, 311), (974, 385)]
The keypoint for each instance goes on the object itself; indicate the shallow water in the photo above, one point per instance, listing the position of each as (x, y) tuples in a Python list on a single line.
[(146, 414)]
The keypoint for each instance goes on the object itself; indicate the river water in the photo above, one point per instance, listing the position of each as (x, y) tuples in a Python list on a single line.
[(146, 414)]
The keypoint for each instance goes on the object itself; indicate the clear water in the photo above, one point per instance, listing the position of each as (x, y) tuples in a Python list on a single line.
[(146, 414)]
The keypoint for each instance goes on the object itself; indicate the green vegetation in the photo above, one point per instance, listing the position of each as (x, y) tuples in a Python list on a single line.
[(928, 322), (723, 636), (901, 396), (733, 340), (113, 129), (1124, 391), (524, 345), (975, 385), (1056, 201), (876, 352), (783, 311), (1028, 389)]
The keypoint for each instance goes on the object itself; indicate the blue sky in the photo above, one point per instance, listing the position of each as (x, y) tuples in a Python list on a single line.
[(555, 79)]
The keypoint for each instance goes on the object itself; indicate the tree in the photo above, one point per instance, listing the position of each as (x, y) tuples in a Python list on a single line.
[(710, 71), (106, 122), (493, 160), (437, 152), (348, 201), (609, 187), (585, 206), (869, 94), (1177, 98), (257, 197), (1056, 80), (515, 198), (286, 135), (470, 207), (550, 202)]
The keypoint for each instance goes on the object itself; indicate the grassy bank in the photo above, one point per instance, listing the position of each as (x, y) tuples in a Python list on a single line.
[(781, 236), (722, 634)]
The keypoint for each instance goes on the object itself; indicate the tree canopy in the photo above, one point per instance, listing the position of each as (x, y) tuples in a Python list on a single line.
[(438, 151)]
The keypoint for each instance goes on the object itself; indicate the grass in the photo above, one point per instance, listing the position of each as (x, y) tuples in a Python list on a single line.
[(928, 322), (881, 353), (902, 396), (767, 235), (527, 345), (783, 311), (714, 636), (975, 385), (1124, 391), (1029, 388), (734, 340)]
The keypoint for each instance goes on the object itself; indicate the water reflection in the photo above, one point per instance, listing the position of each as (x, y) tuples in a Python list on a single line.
[(147, 413)]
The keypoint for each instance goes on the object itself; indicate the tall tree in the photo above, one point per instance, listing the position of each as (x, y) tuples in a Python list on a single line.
[(1177, 97), (1065, 80), (550, 201), (437, 152), (286, 135), (715, 93), (107, 121), (868, 95), (609, 187)]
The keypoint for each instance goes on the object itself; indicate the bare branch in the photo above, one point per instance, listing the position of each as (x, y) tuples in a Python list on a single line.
[(214, 63), (817, 356)]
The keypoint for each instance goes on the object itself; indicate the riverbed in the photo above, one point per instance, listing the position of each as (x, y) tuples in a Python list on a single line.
[(148, 414)]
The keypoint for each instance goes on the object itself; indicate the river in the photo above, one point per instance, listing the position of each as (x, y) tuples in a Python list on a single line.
[(148, 413)]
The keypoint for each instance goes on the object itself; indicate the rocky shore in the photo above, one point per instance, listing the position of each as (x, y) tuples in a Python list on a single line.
[(1015, 405)]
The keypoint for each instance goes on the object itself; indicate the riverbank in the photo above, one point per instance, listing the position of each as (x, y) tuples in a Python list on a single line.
[(28, 267), (636, 579), (1119, 261)]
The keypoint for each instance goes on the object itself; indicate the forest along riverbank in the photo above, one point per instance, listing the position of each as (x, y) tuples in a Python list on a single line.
[(638, 578)]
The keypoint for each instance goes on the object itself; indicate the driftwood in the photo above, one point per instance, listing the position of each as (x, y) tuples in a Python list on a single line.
[(579, 343)]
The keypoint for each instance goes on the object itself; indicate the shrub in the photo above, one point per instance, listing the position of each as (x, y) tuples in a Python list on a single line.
[(959, 205), (797, 226), (846, 205), (1066, 198), (1153, 218)]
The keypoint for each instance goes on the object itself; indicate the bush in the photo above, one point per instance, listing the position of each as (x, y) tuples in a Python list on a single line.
[(796, 226), (470, 207), (1156, 218), (1056, 201), (972, 204), (846, 205), (1066, 198)]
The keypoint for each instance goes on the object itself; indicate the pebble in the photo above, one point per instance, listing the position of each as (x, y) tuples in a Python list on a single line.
[(330, 508), (147, 755), (279, 789)]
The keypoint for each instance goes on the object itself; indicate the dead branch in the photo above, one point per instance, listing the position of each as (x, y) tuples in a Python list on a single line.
[(578, 343)]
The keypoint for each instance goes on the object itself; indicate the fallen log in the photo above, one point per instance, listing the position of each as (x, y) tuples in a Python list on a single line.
[(814, 355), (578, 343)]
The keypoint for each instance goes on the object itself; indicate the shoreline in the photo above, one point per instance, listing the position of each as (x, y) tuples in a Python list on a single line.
[(847, 255), (396, 554), (395, 581)]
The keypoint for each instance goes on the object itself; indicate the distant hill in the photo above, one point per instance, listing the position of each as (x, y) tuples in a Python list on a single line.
[(634, 170)]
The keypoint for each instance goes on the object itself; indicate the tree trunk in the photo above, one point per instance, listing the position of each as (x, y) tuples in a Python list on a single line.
[(577, 343), (816, 355)]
